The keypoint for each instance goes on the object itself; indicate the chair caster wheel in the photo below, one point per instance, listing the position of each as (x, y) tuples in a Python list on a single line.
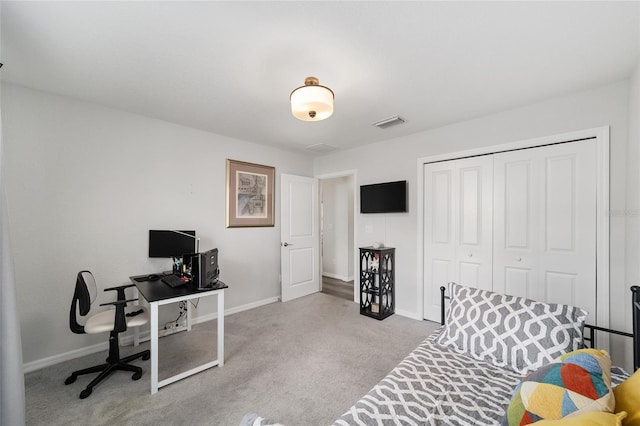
[(85, 393), (70, 379), (146, 356), (137, 375)]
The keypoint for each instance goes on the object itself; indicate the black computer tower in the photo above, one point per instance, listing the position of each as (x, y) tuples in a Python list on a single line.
[(204, 268)]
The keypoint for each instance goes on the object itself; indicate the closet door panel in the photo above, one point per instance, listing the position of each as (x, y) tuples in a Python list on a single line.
[(561, 287), (441, 272), (560, 200), (470, 274), (474, 249), (458, 227), (554, 201), (514, 225), (517, 280), (568, 257), (516, 183), (439, 238), (470, 214), (441, 226)]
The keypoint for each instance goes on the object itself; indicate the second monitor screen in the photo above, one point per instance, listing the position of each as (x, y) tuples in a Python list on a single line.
[(171, 243)]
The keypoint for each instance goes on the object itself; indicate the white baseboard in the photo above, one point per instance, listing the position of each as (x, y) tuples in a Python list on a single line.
[(408, 314), (128, 339), (56, 359), (235, 310)]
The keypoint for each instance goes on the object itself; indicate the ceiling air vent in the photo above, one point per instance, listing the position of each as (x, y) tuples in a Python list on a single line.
[(321, 148), (388, 122)]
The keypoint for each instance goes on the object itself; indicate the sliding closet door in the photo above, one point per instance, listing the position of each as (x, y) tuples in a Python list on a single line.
[(457, 227), (545, 224)]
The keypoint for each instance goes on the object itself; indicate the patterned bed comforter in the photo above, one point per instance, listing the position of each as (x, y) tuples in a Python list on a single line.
[(436, 386)]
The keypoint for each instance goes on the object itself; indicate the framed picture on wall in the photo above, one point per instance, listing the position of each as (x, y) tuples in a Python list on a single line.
[(250, 191)]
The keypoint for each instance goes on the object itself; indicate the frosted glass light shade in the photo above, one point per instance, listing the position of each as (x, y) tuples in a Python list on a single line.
[(312, 102)]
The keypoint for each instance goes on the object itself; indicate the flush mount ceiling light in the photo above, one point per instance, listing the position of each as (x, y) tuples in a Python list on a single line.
[(312, 102)]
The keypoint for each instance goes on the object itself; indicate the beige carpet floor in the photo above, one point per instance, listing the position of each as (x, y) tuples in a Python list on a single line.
[(303, 362)]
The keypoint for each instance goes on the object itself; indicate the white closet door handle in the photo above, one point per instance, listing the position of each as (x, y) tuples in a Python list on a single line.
[(518, 259), (470, 255)]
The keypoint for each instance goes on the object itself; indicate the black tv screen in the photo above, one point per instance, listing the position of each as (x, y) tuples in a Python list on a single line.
[(388, 197), (171, 243)]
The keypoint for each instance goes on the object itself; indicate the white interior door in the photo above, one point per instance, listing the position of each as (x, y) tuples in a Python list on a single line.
[(300, 240), (545, 224), (458, 227)]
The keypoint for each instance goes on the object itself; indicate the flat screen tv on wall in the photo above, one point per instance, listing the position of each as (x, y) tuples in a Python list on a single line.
[(388, 197)]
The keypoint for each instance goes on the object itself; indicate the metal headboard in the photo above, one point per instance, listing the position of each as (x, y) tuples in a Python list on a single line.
[(590, 339)]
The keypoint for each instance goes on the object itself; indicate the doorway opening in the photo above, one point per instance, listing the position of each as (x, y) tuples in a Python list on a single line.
[(337, 201)]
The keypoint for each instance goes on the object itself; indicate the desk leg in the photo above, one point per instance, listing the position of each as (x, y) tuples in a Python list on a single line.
[(188, 302), (136, 330), (154, 348), (221, 328)]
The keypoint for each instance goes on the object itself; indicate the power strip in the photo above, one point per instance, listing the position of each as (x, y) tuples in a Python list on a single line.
[(171, 329)]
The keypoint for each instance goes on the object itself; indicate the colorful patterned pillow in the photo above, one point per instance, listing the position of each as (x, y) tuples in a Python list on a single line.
[(509, 331), (576, 383)]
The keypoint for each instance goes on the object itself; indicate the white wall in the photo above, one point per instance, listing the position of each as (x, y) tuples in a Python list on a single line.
[(350, 227), (85, 183), (337, 230), (396, 159), (632, 211)]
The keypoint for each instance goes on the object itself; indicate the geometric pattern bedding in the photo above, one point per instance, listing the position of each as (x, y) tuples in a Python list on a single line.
[(438, 386), (509, 331)]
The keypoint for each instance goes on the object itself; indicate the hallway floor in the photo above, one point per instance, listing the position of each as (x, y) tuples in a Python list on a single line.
[(339, 288)]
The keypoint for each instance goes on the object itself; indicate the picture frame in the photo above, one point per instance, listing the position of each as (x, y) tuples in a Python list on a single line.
[(250, 194)]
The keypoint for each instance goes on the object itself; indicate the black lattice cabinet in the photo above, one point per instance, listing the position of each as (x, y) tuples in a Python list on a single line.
[(377, 282)]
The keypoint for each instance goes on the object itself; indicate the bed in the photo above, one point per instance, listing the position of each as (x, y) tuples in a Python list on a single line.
[(434, 385), (492, 359), (455, 377)]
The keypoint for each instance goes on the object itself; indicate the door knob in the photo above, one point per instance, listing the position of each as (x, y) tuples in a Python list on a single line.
[(286, 244), (518, 259), (470, 255)]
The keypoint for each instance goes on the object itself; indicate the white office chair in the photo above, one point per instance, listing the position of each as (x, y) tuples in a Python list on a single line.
[(114, 320)]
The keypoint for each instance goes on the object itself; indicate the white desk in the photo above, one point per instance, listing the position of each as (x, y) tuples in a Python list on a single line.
[(157, 293)]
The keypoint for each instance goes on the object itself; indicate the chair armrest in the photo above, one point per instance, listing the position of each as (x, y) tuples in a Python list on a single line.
[(118, 302), (120, 321), (120, 289)]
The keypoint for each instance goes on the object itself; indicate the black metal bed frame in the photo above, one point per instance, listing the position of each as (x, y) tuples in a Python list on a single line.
[(590, 339)]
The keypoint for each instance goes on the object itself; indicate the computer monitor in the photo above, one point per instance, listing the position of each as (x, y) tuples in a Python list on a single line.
[(203, 268), (169, 243)]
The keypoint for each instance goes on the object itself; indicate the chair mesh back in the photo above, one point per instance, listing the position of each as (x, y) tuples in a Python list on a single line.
[(90, 283), (83, 296)]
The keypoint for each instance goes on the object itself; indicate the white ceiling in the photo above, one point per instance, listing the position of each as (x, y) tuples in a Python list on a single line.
[(229, 67)]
